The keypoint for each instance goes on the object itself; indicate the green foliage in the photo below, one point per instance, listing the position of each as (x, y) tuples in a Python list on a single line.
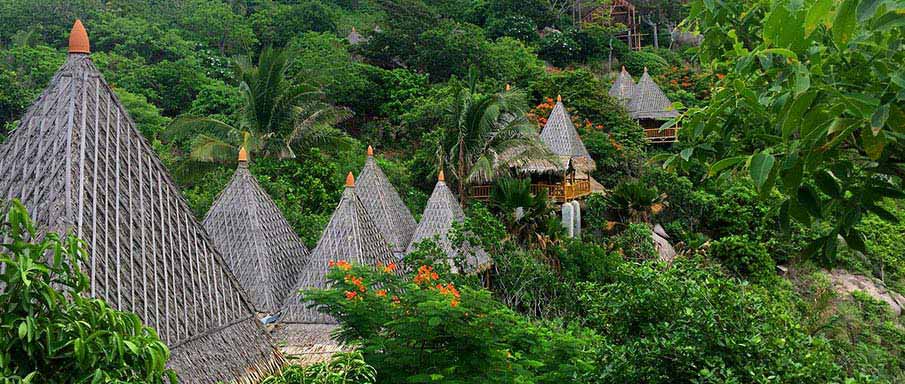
[(511, 61), (51, 331), (744, 257), (514, 26), (560, 49), (688, 323), (451, 48), (635, 243), (636, 61), (145, 115), (277, 24), (633, 202), (343, 368)]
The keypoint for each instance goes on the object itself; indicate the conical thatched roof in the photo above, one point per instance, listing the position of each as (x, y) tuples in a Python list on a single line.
[(384, 205), (355, 38), (256, 241), (560, 135), (623, 88), (649, 101), (351, 235), (79, 164), (441, 211)]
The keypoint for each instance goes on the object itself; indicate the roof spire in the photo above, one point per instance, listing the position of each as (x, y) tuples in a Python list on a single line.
[(78, 39), (350, 180), (558, 98), (623, 69), (243, 155), (440, 176), (508, 87), (353, 29), (370, 151), (645, 69)]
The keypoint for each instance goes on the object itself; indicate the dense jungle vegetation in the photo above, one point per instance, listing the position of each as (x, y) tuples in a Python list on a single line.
[(787, 181)]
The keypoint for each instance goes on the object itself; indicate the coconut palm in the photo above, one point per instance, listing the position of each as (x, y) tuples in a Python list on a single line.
[(276, 115), (485, 134)]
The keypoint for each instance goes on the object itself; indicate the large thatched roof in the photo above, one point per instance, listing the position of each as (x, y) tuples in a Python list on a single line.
[(623, 87), (560, 135), (351, 236), (384, 205), (79, 164), (256, 241), (649, 101), (441, 211)]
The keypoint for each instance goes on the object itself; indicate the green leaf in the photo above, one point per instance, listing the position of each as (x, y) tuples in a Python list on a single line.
[(817, 14), (808, 200), (878, 119), (866, 9), (882, 213), (782, 52), (802, 79), (890, 20), (827, 183), (845, 22), (855, 241), (132, 347), (761, 165), (796, 111), (23, 330), (719, 166), (686, 153), (873, 144)]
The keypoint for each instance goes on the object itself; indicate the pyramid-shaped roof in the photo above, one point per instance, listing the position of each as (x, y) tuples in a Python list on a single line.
[(649, 101), (355, 38), (351, 235), (560, 135), (441, 211), (384, 205), (623, 87), (79, 164), (257, 242)]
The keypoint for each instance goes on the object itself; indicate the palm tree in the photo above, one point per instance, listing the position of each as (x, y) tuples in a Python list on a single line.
[(485, 134), (276, 115)]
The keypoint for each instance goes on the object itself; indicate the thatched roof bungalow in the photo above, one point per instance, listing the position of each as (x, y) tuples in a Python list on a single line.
[(386, 208), (650, 106), (561, 137), (441, 211), (80, 165), (257, 242), (351, 235), (623, 87)]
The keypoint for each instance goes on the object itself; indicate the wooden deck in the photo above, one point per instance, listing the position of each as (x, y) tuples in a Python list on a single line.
[(658, 136), (559, 193)]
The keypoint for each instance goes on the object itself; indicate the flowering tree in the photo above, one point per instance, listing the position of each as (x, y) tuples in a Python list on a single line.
[(424, 326)]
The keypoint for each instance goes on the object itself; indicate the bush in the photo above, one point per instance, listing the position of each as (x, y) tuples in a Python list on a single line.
[(744, 257), (343, 368), (559, 49), (50, 331), (515, 26), (636, 61), (635, 243)]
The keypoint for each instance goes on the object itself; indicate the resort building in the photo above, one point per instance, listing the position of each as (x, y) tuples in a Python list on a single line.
[(386, 208), (80, 165), (257, 243)]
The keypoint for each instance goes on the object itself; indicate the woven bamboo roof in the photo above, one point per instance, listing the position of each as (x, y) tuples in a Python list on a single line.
[(79, 164), (351, 235), (623, 87), (649, 101), (386, 208), (560, 135), (441, 211), (257, 242)]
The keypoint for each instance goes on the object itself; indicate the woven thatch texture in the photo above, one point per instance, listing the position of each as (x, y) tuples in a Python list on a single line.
[(560, 135), (352, 236), (441, 211), (307, 344), (623, 88), (649, 101), (384, 205), (256, 241), (79, 164)]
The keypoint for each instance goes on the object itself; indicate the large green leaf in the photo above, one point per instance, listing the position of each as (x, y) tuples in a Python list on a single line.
[(761, 165), (845, 22), (817, 14)]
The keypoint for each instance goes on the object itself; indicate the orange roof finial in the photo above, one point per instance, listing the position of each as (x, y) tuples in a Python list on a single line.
[(645, 69), (623, 69), (559, 98), (370, 151), (353, 29), (350, 180), (78, 39), (508, 87), (243, 155), (440, 176)]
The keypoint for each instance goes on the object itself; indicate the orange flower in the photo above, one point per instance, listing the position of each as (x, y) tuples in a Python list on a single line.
[(720, 76), (454, 303), (425, 274), (342, 264), (351, 295), (396, 299), (390, 267), (382, 293), (331, 263)]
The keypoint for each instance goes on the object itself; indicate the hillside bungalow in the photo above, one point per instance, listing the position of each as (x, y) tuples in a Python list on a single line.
[(386, 208), (650, 107)]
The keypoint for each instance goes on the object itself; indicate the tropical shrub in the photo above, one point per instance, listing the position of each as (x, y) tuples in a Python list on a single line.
[(50, 331), (559, 49), (343, 368), (636, 61), (744, 257), (634, 243)]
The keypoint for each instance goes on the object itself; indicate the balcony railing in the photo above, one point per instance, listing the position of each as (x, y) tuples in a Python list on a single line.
[(557, 192), (665, 135)]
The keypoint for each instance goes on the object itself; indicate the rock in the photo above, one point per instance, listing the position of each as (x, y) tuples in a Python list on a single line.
[(845, 282)]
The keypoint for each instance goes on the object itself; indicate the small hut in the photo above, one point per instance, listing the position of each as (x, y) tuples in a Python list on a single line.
[(441, 211), (352, 236), (650, 106), (80, 165), (384, 205), (561, 137), (256, 241), (623, 88)]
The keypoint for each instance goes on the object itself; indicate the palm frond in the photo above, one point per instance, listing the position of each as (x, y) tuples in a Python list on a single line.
[(212, 149), (187, 126)]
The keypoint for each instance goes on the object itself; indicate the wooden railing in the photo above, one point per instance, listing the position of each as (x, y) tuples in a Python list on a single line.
[(665, 135), (557, 192)]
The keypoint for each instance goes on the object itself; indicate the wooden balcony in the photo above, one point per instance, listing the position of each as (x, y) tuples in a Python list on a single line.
[(665, 135), (559, 193)]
